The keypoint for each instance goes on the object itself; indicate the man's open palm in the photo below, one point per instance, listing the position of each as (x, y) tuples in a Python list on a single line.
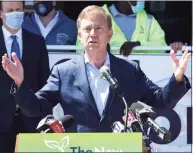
[(14, 69), (179, 65)]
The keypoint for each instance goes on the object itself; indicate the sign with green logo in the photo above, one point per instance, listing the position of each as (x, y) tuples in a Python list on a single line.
[(80, 142)]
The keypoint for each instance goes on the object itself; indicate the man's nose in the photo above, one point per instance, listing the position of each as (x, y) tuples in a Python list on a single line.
[(93, 33)]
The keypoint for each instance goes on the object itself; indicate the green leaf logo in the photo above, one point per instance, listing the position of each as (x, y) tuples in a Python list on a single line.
[(64, 142)]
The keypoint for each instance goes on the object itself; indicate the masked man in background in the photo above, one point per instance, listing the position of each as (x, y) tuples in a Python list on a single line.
[(52, 24), (32, 53)]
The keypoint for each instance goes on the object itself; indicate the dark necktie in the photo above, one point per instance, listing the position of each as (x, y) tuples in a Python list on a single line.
[(15, 46)]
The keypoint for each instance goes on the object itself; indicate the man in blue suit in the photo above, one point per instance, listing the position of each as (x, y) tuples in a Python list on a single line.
[(31, 51), (77, 84)]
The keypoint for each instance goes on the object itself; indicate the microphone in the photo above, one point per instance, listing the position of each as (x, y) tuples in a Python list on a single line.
[(50, 125), (133, 123), (145, 115), (118, 127), (106, 74), (43, 127)]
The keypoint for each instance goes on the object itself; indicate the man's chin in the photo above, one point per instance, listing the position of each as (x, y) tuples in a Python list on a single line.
[(94, 47)]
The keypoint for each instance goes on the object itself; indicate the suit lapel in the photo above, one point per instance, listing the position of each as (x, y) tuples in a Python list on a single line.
[(82, 79), (3, 49), (26, 48)]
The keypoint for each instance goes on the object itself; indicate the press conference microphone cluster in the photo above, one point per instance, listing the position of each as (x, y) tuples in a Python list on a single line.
[(133, 126), (145, 115), (106, 74), (50, 125)]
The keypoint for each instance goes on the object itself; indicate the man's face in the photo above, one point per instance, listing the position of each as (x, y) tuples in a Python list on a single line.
[(11, 6), (94, 33), (43, 8), (36, 1)]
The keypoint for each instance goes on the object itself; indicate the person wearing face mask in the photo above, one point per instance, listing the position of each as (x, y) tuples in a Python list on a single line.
[(31, 51), (132, 26), (52, 24)]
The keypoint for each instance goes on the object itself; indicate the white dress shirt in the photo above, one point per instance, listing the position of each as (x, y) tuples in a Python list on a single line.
[(45, 30), (99, 86), (8, 41)]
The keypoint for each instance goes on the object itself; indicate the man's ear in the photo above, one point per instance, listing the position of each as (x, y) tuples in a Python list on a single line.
[(110, 34), (79, 34)]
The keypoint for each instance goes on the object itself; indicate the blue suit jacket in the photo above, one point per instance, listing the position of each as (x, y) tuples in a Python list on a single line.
[(36, 71), (68, 84)]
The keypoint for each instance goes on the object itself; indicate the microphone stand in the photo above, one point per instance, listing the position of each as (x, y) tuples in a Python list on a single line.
[(121, 95), (115, 86), (126, 114), (147, 139)]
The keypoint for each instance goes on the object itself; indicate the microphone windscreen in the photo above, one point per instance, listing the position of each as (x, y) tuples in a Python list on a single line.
[(104, 69), (144, 112), (67, 121), (135, 106)]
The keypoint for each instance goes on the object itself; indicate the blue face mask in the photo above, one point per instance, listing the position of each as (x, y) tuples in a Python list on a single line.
[(138, 7), (14, 20)]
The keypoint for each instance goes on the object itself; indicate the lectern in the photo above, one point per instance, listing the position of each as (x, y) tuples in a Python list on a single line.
[(79, 142)]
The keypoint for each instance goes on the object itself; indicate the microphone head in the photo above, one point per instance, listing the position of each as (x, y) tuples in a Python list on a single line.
[(67, 121), (117, 127), (43, 124), (104, 69), (142, 111), (135, 106)]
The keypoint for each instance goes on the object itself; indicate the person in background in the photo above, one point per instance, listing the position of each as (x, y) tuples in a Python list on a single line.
[(132, 26), (32, 53), (52, 24)]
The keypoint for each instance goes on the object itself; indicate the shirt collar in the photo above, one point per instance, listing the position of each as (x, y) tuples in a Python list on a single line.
[(107, 60), (114, 11), (7, 34), (37, 18)]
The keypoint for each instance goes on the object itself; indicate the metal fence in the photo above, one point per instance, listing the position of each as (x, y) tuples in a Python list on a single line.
[(74, 47)]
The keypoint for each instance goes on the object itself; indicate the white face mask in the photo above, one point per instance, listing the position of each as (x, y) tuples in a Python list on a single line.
[(139, 6), (14, 20)]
